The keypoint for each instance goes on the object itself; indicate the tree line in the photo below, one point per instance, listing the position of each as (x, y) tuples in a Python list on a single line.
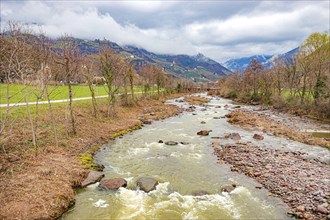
[(35, 60), (298, 83)]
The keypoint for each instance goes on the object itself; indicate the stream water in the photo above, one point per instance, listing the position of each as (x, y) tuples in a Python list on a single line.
[(182, 169)]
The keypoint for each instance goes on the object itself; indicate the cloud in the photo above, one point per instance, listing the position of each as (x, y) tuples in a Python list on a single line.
[(219, 29)]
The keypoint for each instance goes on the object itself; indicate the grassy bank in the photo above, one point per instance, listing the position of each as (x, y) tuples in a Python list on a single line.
[(36, 186)]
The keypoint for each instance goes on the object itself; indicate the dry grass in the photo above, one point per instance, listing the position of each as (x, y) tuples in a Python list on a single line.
[(41, 187), (252, 121), (195, 100)]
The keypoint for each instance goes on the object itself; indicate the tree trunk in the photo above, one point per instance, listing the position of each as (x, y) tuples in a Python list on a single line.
[(73, 125), (30, 116), (52, 117)]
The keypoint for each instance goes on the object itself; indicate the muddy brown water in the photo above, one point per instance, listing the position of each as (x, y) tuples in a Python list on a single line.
[(182, 169)]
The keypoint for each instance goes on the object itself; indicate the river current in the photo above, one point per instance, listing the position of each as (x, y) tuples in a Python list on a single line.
[(180, 170)]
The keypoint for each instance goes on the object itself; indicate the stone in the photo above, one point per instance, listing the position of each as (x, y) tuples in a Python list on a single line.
[(300, 208), (184, 143), (216, 117), (203, 132), (171, 143), (203, 122), (147, 122), (147, 184), (160, 141), (215, 144), (322, 208), (13, 158), (200, 193), (258, 137), (92, 177), (235, 136), (228, 188), (113, 184)]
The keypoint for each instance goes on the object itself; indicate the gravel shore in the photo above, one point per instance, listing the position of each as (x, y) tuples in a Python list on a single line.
[(301, 183)]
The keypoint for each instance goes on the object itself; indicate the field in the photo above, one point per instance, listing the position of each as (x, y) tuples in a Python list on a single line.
[(17, 93)]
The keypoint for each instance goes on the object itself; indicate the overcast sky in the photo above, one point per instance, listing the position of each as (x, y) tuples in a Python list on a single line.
[(218, 29)]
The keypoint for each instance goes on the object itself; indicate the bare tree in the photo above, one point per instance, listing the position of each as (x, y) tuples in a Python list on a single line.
[(110, 69), (89, 75), (68, 57)]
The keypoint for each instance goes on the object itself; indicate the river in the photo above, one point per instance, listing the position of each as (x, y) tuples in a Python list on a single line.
[(182, 169)]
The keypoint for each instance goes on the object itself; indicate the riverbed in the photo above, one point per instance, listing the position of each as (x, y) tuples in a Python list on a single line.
[(182, 169)]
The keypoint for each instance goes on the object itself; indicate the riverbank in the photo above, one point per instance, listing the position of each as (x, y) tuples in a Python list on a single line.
[(301, 183), (252, 121), (42, 186)]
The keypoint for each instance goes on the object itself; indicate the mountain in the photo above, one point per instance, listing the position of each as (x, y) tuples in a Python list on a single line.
[(240, 64), (199, 68)]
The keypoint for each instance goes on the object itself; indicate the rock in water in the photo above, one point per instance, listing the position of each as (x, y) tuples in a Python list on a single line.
[(147, 184), (228, 188), (258, 137), (171, 143), (235, 136), (113, 184), (200, 193), (203, 132), (93, 177)]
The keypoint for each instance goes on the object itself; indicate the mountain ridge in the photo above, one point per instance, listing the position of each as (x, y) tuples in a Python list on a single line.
[(240, 64), (198, 68)]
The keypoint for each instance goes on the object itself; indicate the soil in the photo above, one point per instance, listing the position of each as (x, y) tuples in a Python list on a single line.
[(39, 183), (301, 183)]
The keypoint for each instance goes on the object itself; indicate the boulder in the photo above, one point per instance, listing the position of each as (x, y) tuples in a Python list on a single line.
[(200, 193), (147, 184), (92, 177), (258, 137), (235, 136), (171, 143), (113, 184), (228, 188), (203, 132)]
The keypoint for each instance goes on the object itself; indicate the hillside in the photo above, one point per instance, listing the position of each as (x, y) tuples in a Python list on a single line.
[(198, 68), (240, 64)]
